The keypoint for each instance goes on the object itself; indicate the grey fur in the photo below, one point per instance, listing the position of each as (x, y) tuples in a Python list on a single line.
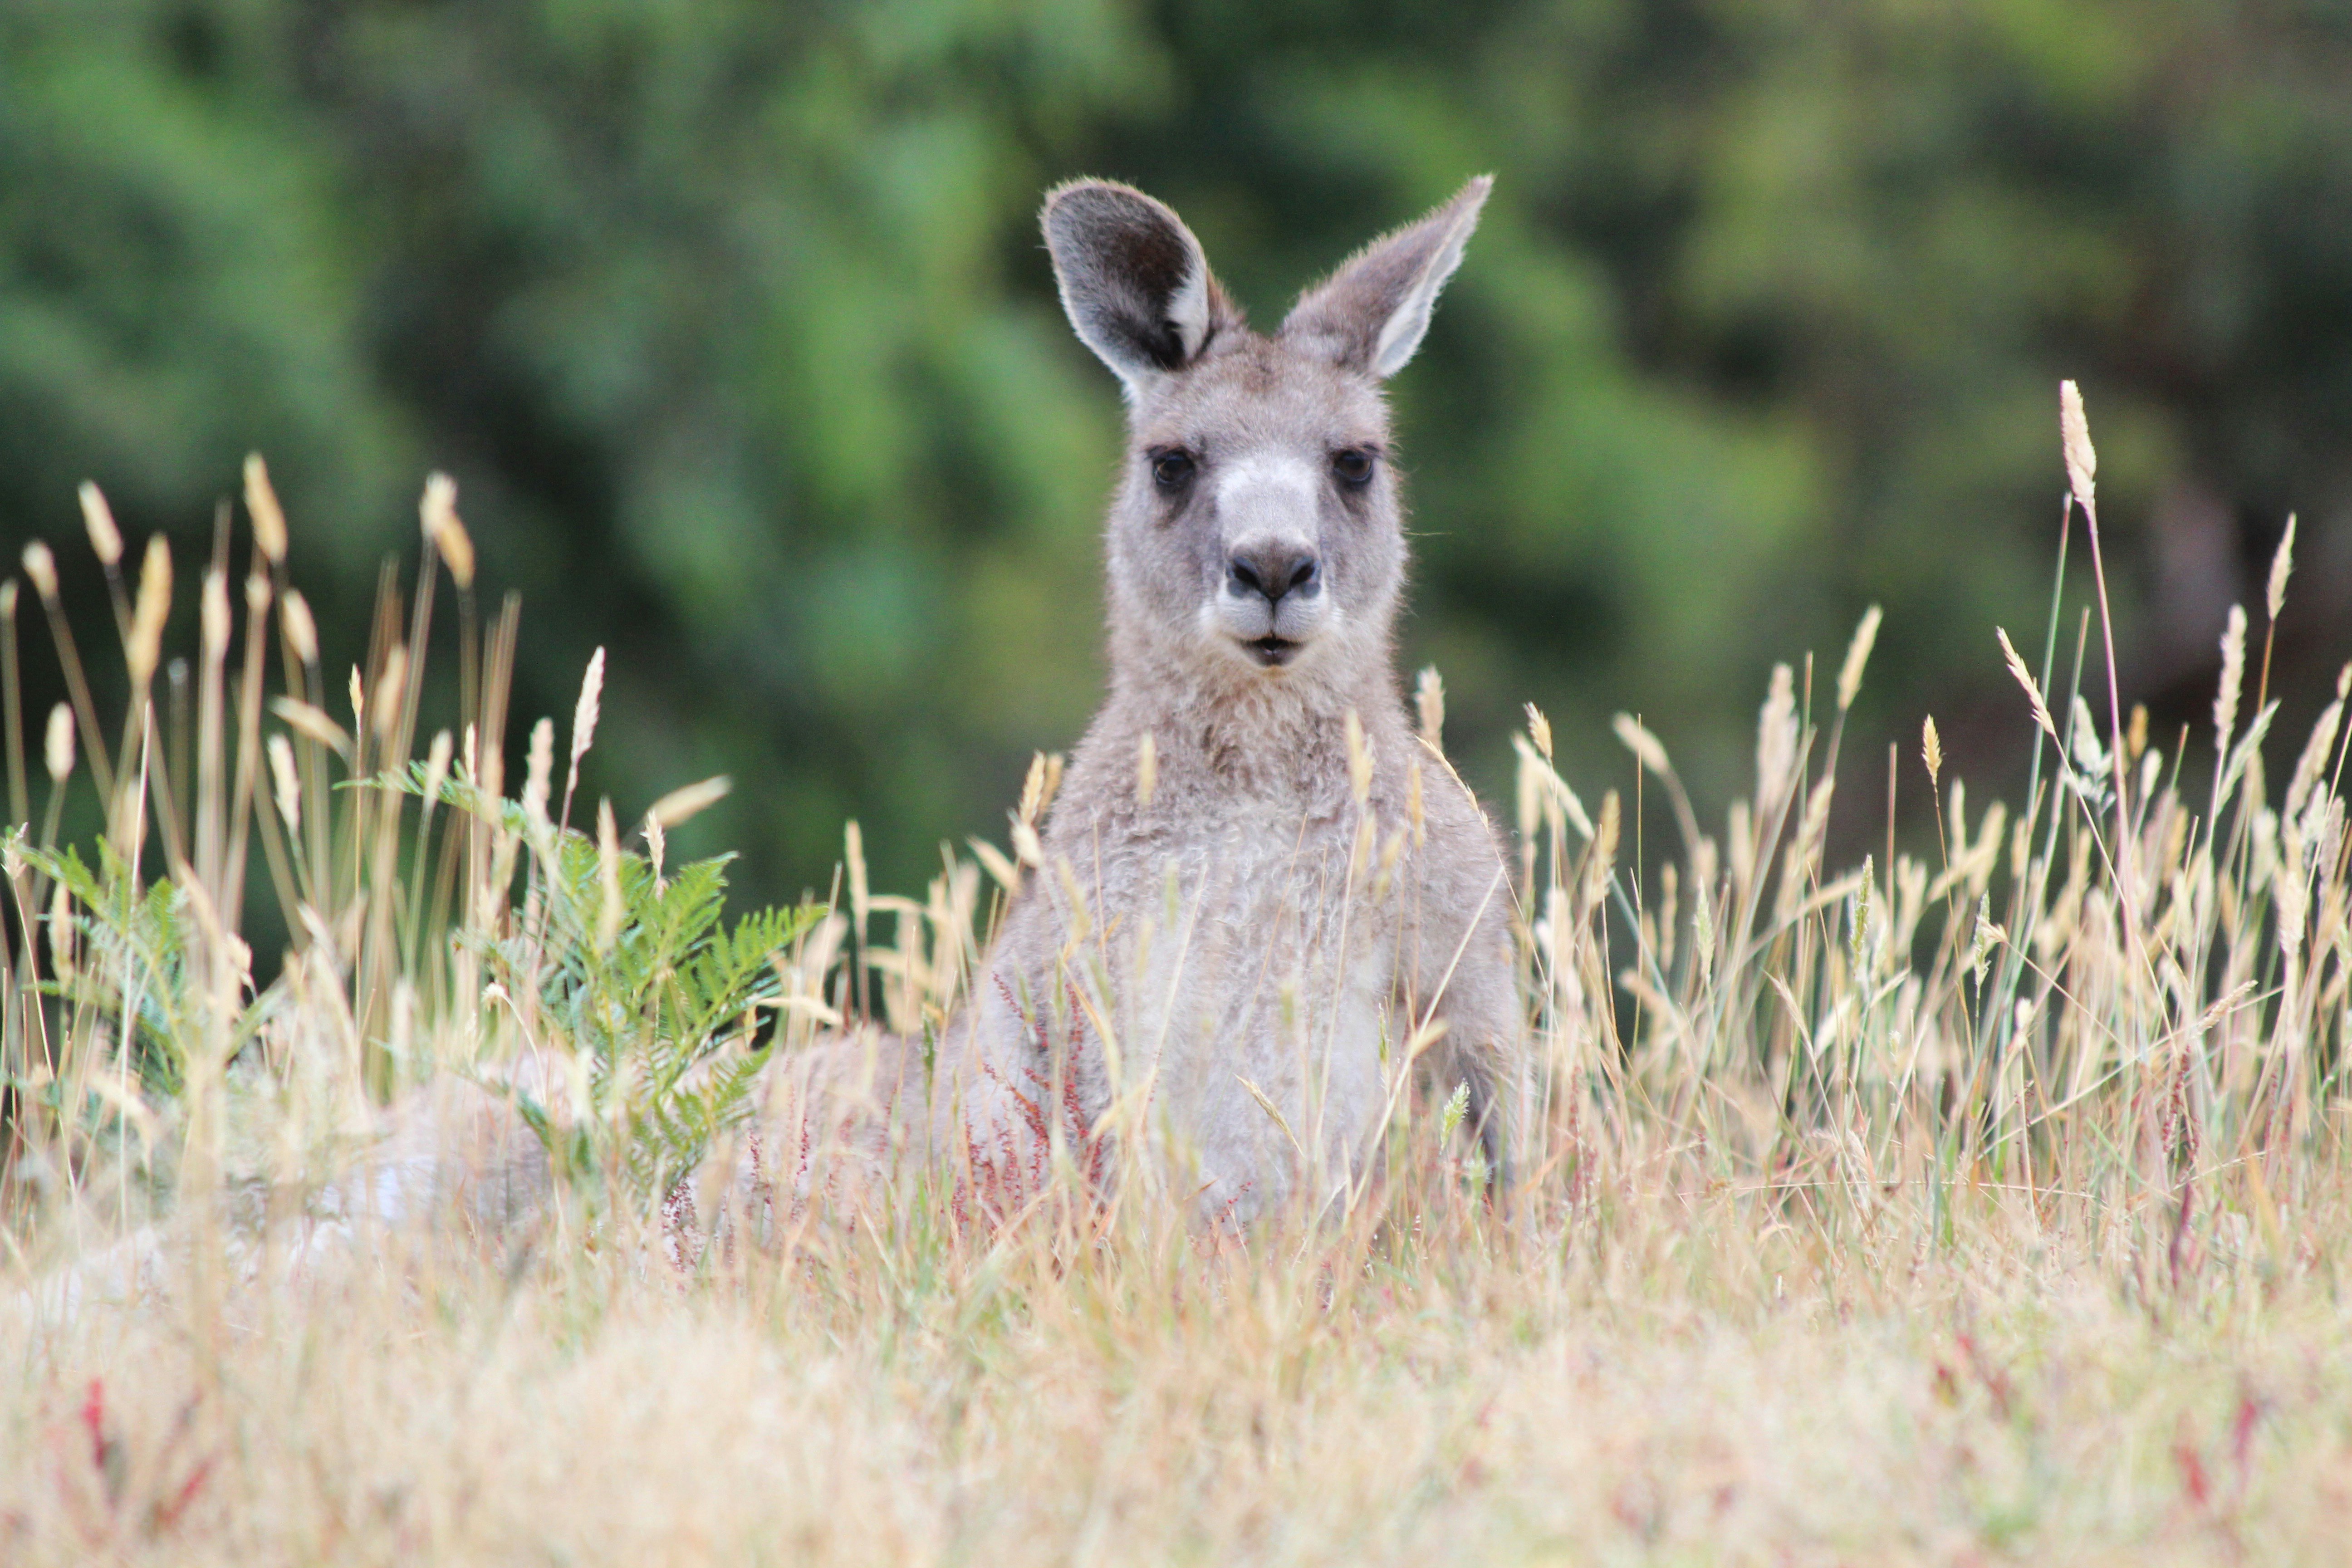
[(1218, 977)]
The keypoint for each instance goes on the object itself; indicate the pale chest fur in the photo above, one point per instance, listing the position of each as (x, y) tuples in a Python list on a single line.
[(1227, 979)]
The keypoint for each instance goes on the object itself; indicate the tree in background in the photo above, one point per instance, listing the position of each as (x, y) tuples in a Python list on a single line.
[(732, 322)]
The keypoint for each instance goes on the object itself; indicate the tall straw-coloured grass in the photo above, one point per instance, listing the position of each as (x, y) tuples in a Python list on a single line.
[(1980, 1205)]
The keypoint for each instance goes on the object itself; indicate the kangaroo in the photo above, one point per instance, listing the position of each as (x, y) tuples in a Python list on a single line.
[(1259, 903), (1258, 891)]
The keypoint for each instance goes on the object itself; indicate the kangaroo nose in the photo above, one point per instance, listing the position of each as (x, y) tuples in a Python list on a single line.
[(1275, 572)]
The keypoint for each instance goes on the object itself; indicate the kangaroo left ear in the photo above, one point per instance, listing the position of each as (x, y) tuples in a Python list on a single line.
[(1370, 314), (1133, 279)]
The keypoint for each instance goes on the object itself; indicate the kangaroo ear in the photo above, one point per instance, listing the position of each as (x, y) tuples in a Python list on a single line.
[(1133, 279), (1370, 314)]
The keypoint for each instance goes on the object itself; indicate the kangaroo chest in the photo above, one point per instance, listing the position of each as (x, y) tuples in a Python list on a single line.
[(1243, 969)]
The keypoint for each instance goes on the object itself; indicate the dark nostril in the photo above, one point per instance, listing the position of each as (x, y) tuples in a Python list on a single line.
[(1274, 575)]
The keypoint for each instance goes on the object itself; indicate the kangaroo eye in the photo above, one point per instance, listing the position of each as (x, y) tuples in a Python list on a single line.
[(1172, 470), (1353, 467)]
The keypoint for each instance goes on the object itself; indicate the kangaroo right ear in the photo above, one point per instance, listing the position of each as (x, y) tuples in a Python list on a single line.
[(1133, 279), (1370, 314)]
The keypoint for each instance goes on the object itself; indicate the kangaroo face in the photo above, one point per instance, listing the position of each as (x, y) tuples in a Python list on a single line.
[(1258, 530), (1258, 524)]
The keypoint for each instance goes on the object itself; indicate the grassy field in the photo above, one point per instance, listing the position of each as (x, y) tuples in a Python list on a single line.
[(1986, 1205)]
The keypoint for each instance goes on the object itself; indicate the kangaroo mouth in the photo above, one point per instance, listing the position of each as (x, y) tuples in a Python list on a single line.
[(1272, 652)]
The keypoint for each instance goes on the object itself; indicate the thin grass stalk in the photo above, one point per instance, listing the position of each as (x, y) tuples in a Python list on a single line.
[(420, 627), (380, 949), (180, 758), (387, 953), (358, 804), (283, 876), (16, 1115), (157, 785), (419, 888), (306, 677), (2012, 961), (248, 747), (54, 756), (127, 985), (41, 567), (482, 849), (205, 1140), (211, 789), (11, 716)]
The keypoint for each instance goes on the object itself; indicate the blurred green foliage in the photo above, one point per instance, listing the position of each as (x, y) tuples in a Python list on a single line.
[(731, 321)]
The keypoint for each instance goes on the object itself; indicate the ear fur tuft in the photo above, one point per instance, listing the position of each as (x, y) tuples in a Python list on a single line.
[(1370, 315), (1133, 279)]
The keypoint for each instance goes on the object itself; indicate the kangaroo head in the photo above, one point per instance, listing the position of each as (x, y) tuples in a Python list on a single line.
[(1257, 534)]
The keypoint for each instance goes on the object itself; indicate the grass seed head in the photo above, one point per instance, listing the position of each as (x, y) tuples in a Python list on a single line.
[(42, 568), (1359, 759), (2089, 754), (145, 645), (388, 688), (2313, 764), (689, 800), (1931, 748), (1857, 654), (301, 630), (437, 768), (1428, 702), (2024, 677), (2234, 674), (2074, 433), (1647, 748), (1530, 792), (1032, 789), (1053, 781), (215, 619), (444, 531), (1775, 736), (853, 851), (537, 770), (61, 934), (58, 745), (99, 519), (261, 505), (1986, 938), (608, 872), (1602, 855), (289, 787), (1539, 731), (312, 722), (584, 713), (2281, 568)]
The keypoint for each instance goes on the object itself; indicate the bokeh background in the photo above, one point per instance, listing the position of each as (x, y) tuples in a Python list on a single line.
[(732, 322)]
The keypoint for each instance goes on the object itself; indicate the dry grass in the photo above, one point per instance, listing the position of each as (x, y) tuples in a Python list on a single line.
[(1708, 1379), (1993, 1205)]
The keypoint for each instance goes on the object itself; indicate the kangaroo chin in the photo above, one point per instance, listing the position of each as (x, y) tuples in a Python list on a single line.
[(1271, 652)]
